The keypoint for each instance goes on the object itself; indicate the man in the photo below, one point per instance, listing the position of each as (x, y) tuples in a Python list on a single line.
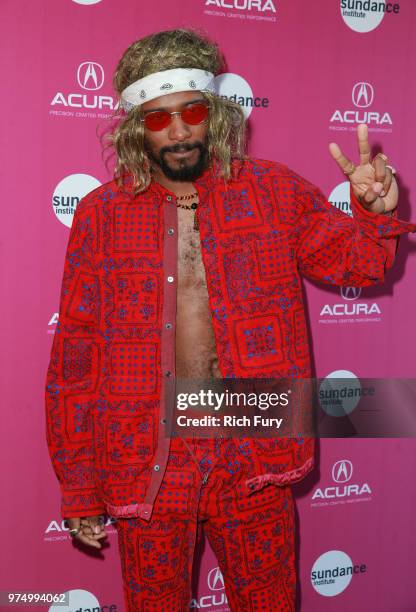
[(188, 265)]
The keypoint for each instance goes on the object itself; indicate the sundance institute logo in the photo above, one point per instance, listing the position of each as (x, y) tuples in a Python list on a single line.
[(69, 192), (235, 88), (333, 571), (81, 600), (339, 393), (366, 15)]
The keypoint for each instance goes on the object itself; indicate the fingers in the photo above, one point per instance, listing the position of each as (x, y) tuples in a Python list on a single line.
[(376, 176), (343, 162), (93, 524), (88, 540), (372, 200), (91, 530), (379, 165), (383, 172), (387, 181), (86, 536), (363, 144), (95, 532)]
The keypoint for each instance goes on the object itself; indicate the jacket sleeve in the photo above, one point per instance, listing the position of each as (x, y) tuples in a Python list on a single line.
[(335, 248), (72, 375)]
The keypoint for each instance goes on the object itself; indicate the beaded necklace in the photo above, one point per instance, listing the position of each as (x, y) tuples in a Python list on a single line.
[(193, 206)]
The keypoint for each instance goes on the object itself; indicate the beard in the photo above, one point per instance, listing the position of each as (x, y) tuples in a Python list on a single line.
[(185, 172)]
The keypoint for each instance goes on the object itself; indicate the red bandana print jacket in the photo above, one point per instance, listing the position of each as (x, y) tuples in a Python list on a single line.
[(113, 354)]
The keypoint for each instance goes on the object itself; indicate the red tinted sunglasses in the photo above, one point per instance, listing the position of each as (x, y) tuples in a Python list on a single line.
[(194, 114)]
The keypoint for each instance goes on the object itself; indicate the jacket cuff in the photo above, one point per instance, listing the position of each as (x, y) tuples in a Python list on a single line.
[(85, 502), (378, 226)]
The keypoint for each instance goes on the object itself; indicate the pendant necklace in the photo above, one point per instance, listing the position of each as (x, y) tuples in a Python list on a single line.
[(193, 206)]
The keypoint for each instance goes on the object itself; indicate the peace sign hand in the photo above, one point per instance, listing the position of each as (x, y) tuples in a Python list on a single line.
[(372, 182)]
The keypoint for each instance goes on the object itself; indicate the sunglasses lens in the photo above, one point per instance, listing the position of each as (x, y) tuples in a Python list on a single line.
[(194, 114), (157, 121)]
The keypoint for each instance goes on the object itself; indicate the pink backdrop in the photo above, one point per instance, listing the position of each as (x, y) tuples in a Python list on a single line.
[(321, 72)]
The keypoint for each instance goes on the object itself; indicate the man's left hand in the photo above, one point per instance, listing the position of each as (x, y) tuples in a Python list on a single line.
[(373, 181)]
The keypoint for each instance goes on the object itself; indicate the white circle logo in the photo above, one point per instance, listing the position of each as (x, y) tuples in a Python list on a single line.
[(362, 95), (236, 89), (362, 16), (90, 76), (68, 193), (342, 471), (339, 393), (350, 293), (331, 573), (86, 1), (340, 197), (78, 600), (215, 579)]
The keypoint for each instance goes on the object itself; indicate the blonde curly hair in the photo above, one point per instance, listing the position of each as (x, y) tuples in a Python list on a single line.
[(180, 48)]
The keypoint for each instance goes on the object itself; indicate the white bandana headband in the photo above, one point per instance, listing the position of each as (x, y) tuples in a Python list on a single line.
[(166, 82)]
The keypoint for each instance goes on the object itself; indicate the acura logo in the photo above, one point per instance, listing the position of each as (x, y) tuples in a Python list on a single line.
[(90, 75), (350, 293), (342, 471), (215, 580), (362, 95)]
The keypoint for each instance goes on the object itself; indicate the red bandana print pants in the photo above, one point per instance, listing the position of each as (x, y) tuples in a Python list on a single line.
[(252, 536)]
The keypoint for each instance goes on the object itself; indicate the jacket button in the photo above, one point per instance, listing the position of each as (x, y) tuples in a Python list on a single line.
[(252, 486), (168, 325), (169, 198), (171, 231), (168, 373), (163, 421), (156, 468), (170, 279)]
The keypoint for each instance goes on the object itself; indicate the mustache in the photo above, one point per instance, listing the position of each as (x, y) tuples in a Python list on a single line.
[(181, 148)]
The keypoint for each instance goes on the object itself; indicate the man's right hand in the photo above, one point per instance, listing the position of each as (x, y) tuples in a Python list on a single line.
[(91, 529)]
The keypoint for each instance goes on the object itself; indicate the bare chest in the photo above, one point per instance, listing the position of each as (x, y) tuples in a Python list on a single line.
[(196, 355), (190, 265)]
